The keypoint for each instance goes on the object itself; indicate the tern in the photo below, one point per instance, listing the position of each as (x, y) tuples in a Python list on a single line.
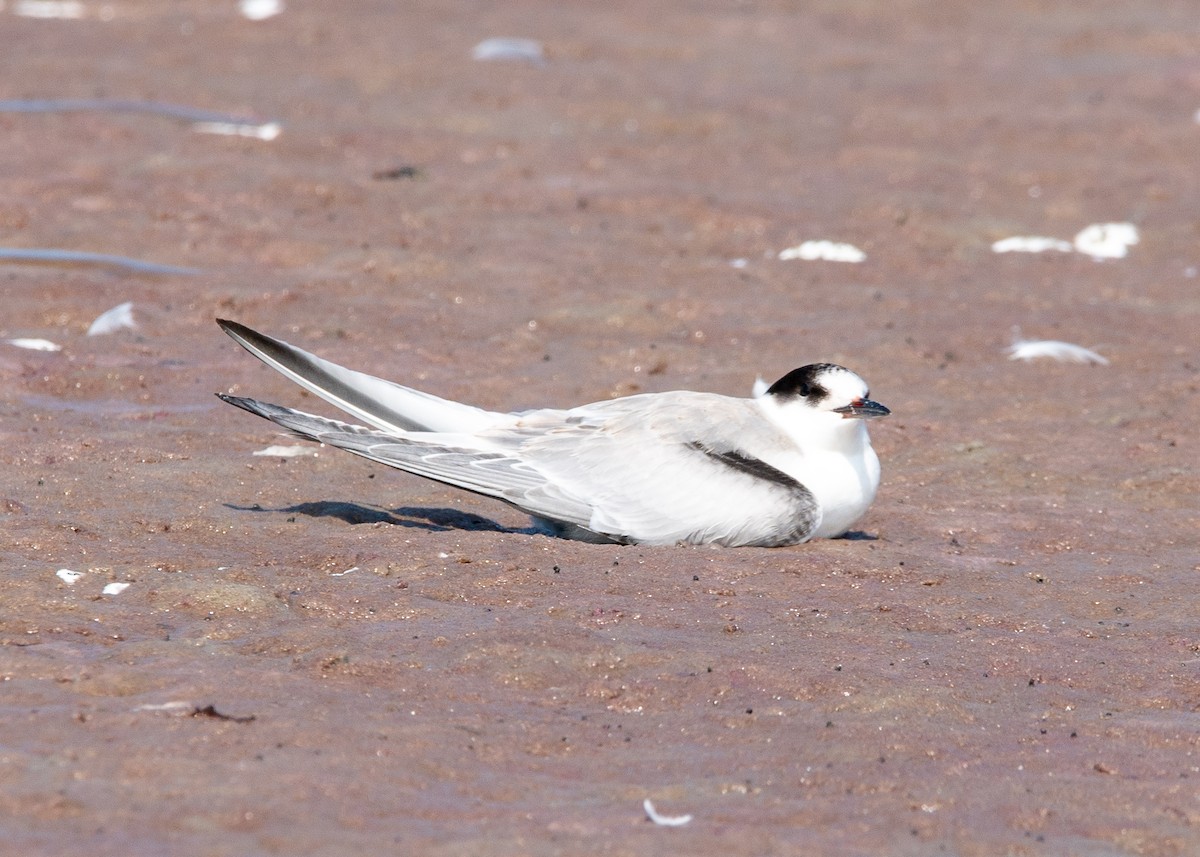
[(789, 465)]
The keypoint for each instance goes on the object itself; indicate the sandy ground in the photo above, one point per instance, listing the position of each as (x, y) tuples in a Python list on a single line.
[(316, 656)]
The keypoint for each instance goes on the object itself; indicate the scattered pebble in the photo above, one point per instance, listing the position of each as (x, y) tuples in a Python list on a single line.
[(406, 171), (67, 576), (211, 711), (1031, 244), (260, 10), (114, 588), (1107, 240), (828, 251), (35, 344), (119, 317), (664, 820), (502, 48)]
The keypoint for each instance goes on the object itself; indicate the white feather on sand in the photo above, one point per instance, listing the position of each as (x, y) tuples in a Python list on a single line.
[(664, 820), (1063, 352), (117, 318), (35, 344)]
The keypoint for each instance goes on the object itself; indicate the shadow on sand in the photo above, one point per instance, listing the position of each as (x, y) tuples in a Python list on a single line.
[(434, 520)]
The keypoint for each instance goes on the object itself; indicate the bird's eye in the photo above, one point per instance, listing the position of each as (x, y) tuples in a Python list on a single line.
[(805, 390)]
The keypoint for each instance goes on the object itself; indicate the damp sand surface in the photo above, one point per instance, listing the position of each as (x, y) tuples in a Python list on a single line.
[(318, 656)]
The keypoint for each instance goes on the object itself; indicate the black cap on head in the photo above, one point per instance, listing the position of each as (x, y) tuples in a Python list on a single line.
[(802, 383)]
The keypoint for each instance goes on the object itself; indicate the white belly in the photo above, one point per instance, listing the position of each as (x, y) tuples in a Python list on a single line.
[(844, 488)]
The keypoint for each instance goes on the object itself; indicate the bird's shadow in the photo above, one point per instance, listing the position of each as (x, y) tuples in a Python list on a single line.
[(858, 536), (418, 517)]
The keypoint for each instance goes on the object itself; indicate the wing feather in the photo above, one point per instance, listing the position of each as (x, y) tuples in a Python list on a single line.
[(382, 404), (454, 459)]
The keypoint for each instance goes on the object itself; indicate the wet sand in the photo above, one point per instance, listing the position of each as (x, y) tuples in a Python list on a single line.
[(318, 656)]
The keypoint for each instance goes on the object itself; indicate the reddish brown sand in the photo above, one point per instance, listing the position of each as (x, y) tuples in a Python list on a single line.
[(316, 656)]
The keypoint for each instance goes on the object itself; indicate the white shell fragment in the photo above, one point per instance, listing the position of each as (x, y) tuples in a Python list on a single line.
[(260, 10), (1031, 244), (828, 251), (664, 820), (114, 588), (67, 576), (117, 318), (266, 131), (287, 451), (35, 344), (1063, 352), (1107, 240), (502, 48)]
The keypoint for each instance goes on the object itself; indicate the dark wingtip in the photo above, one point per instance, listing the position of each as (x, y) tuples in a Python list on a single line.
[(260, 409), (233, 328), (236, 401), (251, 339)]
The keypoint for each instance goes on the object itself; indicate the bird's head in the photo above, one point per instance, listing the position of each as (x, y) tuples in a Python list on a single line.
[(823, 396)]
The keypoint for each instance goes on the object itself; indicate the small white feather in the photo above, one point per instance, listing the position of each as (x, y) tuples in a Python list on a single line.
[(502, 48), (828, 251), (1031, 244), (664, 820), (67, 576), (260, 10), (114, 588), (36, 344), (1107, 240), (117, 318), (266, 131), (289, 451), (63, 9), (175, 706), (1063, 352)]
